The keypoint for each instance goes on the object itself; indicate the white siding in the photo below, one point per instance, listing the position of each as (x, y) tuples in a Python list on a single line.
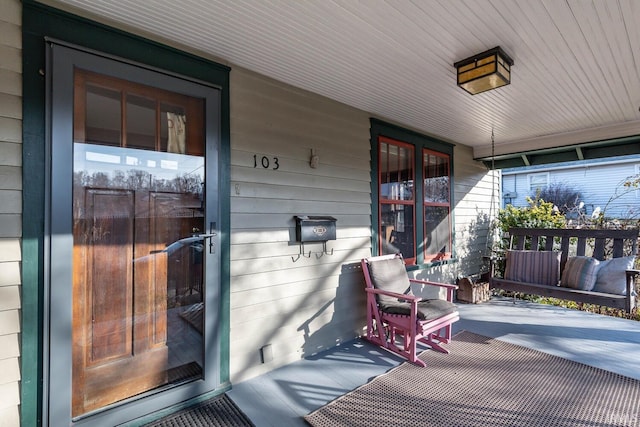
[(10, 208), (477, 200), (297, 305), (599, 183)]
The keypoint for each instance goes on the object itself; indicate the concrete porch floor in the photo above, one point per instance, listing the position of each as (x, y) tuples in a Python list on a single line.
[(283, 396)]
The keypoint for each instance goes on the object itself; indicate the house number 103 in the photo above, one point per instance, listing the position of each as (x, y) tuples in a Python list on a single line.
[(265, 162)]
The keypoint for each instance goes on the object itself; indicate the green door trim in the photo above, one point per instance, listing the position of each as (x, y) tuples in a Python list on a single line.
[(40, 21)]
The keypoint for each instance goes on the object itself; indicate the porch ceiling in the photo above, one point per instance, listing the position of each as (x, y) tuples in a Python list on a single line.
[(576, 77)]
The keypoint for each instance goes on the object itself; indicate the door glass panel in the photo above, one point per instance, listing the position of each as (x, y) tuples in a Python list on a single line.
[(103, 116), (141, 122), (138, 257), (172, 128)]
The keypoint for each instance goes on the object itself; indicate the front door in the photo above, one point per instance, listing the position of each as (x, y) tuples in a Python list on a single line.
[(134, 188)]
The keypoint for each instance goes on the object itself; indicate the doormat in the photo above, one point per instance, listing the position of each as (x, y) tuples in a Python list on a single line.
[(219, 411), (486, 382)]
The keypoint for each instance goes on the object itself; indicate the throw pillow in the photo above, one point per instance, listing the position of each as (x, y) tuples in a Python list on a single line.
[(580, 272), (611, 277), (540, 267)]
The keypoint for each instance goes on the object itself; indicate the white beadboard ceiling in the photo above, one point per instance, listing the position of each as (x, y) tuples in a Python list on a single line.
[(576, 76)]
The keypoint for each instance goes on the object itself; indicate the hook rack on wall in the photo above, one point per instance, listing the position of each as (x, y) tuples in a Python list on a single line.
[(314, 229)]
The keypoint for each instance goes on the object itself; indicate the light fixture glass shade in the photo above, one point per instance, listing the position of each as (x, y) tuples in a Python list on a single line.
[(484, 71)]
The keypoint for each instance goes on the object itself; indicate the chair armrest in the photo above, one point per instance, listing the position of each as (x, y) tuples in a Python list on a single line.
[(442, 285), (632, 272), (448, 287), (394, 294)]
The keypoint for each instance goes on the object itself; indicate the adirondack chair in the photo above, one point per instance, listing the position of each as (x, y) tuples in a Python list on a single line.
[(396, 319)]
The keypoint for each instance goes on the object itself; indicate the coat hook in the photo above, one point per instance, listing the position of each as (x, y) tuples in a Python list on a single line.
[(294, 259), (324, 250)]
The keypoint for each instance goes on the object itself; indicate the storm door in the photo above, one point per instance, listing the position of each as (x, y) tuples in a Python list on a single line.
[(133, 258)]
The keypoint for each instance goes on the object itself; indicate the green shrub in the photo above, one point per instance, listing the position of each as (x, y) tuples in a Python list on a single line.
[(539, 214)]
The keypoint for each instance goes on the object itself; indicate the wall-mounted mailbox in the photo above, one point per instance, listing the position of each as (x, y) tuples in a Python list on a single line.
[(315, 228)]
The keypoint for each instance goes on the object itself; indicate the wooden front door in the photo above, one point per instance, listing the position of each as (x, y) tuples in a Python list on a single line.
[(138, 217)]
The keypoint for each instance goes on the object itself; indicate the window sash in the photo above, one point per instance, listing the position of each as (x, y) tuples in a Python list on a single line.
[(436, 205), (538, 181), (396, 209)]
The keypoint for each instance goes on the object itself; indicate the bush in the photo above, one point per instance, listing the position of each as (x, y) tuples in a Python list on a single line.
[(566, 198), (539, 214)]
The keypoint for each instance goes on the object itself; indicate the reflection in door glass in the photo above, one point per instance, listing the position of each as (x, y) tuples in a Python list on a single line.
[(139, 287), (138, 258)]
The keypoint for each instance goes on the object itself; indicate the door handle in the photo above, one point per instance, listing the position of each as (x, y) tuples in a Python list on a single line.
[(212, 233), (204, 236)]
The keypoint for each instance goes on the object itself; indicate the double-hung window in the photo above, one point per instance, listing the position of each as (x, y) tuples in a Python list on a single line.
[(538, 182), (437, 205), (397, 204), (412, 187)]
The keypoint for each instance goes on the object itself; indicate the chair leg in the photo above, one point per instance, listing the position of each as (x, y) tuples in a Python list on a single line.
[(376, 333), (447, 334), (434, 345)]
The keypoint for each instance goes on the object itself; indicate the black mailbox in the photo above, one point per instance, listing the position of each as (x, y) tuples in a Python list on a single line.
[(315, 228)]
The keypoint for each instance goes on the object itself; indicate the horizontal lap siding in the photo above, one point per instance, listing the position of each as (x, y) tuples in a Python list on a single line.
[(298, 305), (477, 198), (10, 208)]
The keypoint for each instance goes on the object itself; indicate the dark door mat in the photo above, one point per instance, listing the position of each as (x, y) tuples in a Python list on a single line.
[(219, 411), (185, 372)]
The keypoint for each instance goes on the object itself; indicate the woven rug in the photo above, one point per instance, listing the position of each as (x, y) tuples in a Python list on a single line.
[(486, 382)]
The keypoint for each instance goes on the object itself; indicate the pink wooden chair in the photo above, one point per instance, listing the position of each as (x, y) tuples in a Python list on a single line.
[(396, 319)]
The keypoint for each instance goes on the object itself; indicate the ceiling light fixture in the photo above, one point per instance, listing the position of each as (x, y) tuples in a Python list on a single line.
[(485, 71)]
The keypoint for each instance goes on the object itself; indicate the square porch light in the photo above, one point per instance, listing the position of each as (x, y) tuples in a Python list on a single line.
[(484, 71)]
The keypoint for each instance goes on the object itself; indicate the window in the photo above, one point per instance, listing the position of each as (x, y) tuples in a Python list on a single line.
[(538, 181), (437, 206), (412, 182), (397, 200)]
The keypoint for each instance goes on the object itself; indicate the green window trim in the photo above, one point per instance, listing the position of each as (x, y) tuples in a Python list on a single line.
[(421, 143), (39, 22)]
